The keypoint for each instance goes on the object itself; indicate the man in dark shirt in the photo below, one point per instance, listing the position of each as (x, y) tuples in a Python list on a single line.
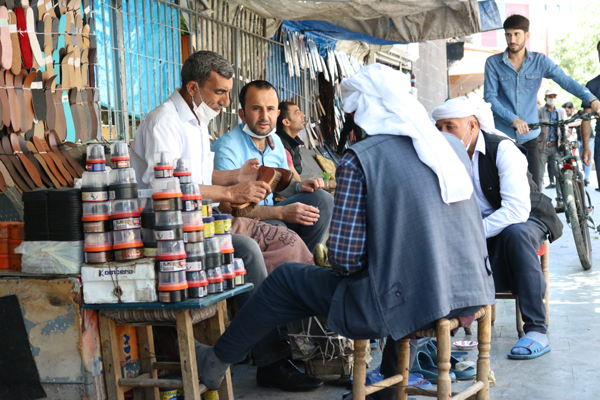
[(586, 126), (289, 124)]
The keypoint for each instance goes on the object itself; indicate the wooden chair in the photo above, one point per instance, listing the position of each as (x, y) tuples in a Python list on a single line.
[(480, 388), (544, 252)]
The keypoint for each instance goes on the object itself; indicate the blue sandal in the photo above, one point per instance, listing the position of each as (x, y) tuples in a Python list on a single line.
[(534, 347), (424, 365)]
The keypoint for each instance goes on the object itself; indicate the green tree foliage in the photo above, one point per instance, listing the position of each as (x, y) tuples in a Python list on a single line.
[(575, 49)]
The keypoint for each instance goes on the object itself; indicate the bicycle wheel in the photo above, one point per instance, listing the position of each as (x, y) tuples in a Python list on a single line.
[(578, 220)]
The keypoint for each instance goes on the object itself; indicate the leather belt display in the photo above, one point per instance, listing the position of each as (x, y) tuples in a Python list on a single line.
[(3, 185), (55, 143), (33, 151), (19, 145), (14, 38), (50, 108), (60, 179), (8, 181), (29, 167), (5, 44), (23, 180), (61, 122), (37, 97), (4, 100), (42, 146), (15, 114)]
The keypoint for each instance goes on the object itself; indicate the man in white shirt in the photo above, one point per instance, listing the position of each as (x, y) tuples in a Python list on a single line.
[(514, 229), (179, 126)]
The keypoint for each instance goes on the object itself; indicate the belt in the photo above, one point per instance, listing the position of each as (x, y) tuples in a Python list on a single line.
[(551, 143), (17, 172), (48, 167), (30, 167), (50, 108), (54, 142), (42, 146), (15, 112)]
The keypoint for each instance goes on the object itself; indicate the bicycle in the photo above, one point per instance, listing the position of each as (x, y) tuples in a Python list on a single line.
[(577, 201)]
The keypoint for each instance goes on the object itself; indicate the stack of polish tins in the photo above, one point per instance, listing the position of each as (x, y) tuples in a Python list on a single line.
[(193, 230), (111, 219), (168, 232), (125, 214)]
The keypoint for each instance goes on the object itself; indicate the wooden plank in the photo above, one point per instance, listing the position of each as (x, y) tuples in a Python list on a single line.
[(359, 371), (147, 358), (184, 305), (468, 392), (111, 361), (168, 366), (391, 381), (187, 354)]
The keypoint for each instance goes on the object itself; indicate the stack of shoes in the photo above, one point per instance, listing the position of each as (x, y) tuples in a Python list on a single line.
[(426, 363)]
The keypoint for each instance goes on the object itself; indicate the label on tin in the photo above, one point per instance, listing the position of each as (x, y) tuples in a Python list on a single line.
[(162, 205), (194, 266), (219, 227), (126, 223), (211, 395), (190, 205), (94, 196), (163, 173), (185, 238), (128, 254), (204, 211), (211, 226), (91, 227), (95, 167), (226, 226), (172, 265), (164, 297), (122, 164), (164, 235)]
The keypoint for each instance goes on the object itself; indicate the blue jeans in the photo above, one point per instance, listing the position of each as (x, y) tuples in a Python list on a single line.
[(311, 234)]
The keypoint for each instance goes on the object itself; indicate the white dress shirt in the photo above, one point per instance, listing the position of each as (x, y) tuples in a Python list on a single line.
[(514, 187), (172, 127)]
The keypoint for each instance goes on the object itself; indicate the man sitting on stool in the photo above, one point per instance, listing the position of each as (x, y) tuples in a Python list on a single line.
[(420, 257), (517, 218)]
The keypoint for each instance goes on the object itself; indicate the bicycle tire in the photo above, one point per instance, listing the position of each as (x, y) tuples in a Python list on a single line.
[(573, 200)]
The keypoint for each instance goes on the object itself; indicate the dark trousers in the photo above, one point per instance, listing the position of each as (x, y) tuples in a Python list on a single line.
[(389, 360), (533, 159), (311, 234), (292, 292), (551, 168), (597, 158), (517, 268), (270, 348)]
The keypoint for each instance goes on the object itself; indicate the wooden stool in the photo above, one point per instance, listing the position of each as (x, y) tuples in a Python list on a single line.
[(212, 310), (444, 385), (544, 253)]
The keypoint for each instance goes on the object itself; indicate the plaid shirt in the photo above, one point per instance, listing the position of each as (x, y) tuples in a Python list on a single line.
[(348, 231)]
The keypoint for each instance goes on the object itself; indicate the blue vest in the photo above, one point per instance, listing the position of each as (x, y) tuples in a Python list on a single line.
[(425, 258)]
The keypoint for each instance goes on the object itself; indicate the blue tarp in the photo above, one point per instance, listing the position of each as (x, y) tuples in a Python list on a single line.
[(325, 34)]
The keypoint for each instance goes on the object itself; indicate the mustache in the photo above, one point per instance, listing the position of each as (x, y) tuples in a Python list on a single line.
[(263, 121)]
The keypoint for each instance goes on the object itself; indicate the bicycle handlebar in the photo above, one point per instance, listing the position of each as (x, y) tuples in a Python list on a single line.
[(579, 116)]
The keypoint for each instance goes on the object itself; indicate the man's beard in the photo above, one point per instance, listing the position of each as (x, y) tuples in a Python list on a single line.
[(518, 49)]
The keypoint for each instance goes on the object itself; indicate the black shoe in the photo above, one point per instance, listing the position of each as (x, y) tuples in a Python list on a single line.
[(551, 186), (586, 181), (286, 376), (597, 189), (560, 207)]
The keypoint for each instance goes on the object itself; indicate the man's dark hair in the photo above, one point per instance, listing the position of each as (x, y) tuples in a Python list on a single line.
[(516, 21), (284, 113), (199, 65), (568, 104), (598, 45), (260, 85)]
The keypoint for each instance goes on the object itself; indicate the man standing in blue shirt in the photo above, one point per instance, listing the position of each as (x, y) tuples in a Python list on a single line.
[(308, 210), (586, 126), (512, 80)]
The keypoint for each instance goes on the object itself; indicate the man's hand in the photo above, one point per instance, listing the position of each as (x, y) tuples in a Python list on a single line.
[(586, 155), (596, 106), (249, 171), (249, 192), (520, 126), (312, 185), (298, 213)]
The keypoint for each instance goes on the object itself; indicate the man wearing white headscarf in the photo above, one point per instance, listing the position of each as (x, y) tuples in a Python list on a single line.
[(516, 216), (403, 270)]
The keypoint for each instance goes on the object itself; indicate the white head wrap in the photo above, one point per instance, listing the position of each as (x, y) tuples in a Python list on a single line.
[(380, 98), (462, 107)]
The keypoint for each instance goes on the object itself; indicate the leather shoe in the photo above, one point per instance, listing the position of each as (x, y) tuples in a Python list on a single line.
[(551, 186), (286, 376)]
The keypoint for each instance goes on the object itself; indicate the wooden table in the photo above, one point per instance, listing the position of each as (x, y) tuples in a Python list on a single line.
[(116, 385)]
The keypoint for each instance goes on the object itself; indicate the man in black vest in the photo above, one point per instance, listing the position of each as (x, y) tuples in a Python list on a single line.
[(289, 124), (517, 218)]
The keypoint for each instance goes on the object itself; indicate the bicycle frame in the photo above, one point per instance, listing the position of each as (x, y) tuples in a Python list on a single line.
[(572, 162)]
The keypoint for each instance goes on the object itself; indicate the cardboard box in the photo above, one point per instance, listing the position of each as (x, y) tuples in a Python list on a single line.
[(136, 280)]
